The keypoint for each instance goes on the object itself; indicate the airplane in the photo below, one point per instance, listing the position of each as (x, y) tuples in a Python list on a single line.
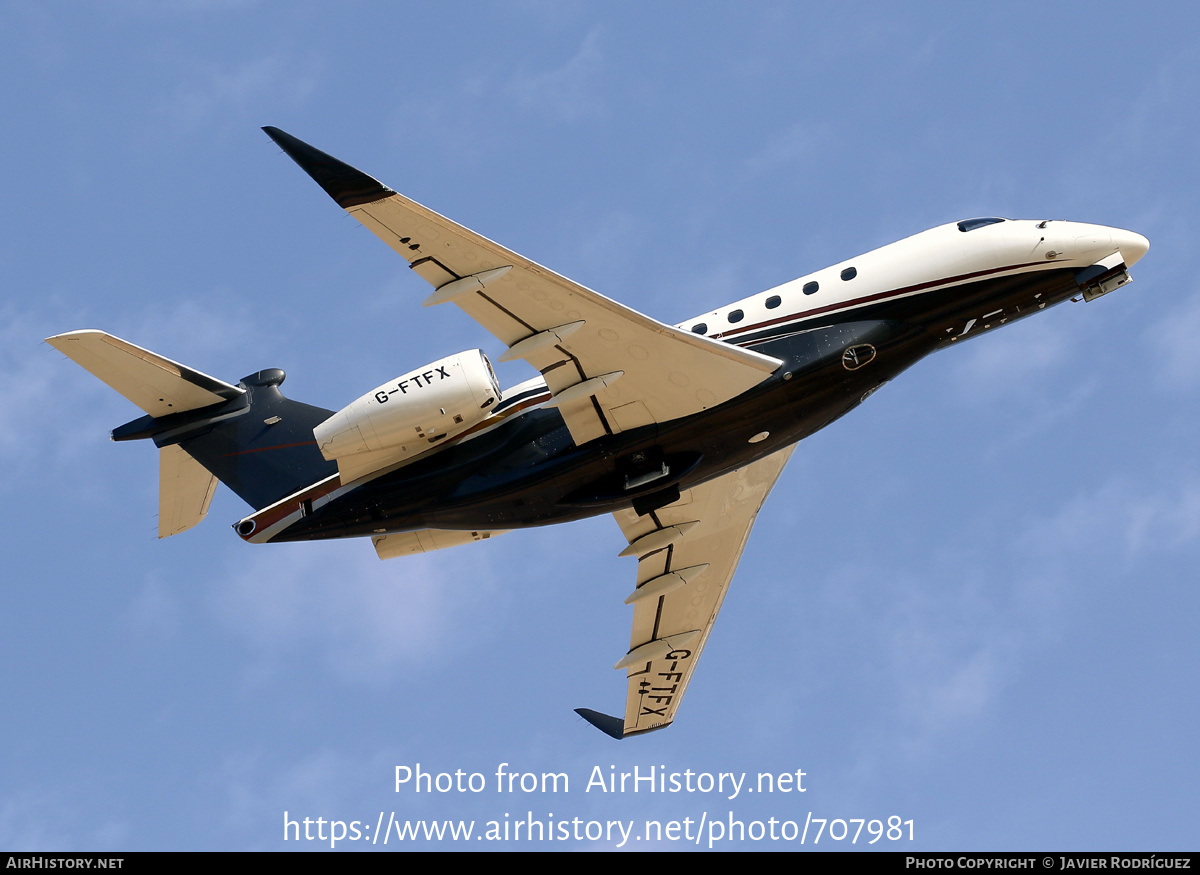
[(678, 431)]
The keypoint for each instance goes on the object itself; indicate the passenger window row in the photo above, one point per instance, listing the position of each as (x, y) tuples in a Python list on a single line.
[(810, 288)]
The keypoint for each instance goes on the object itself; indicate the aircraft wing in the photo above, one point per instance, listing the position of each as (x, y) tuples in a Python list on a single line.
[(687, 554), (609, 368)]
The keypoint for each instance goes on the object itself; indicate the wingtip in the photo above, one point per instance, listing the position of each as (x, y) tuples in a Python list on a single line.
[(66, 339), (347, 185), (614, 727)]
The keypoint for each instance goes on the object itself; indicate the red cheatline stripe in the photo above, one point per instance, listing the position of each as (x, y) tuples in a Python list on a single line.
[(264, 449), (869, 298)]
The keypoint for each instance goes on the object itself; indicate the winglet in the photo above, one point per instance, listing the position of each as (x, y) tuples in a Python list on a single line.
[(346, 185), (611, 726)]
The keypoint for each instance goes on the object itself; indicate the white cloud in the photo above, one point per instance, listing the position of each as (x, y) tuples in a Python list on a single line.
[(611, 243), (24, 819), (218, 91), (952, 648), (250, 784), (42, 819), (26, 378), (1007, 363), (1122, 524), (797, 147), (366, 618), (320, 782), (568, 91), (155, 610), (191, 334), (1173, 345), (958, 635), (158, 8), (965, 691)]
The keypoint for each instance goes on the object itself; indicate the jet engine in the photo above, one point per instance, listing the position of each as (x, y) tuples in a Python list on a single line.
[(412, 412)]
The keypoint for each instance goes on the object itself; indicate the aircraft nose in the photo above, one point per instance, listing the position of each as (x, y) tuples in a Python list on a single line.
[(1132, 245)]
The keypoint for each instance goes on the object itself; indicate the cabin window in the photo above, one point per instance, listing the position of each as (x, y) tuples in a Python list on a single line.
[(773, 302), (736, 315), (811, 288), (700, 328), (849, 273), (971, 224)]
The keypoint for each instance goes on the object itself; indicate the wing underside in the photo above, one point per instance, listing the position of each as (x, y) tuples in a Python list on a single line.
[(687, 554), (609, 368)]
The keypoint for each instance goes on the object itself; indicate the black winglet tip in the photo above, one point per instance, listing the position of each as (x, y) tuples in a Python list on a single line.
[(296, 148), (346, 185), (614, 727)]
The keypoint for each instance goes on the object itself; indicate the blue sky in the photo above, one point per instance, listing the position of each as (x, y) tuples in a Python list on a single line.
[(971, 603)]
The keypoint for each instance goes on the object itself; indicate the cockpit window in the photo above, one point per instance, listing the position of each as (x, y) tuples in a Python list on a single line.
[(972, 224)]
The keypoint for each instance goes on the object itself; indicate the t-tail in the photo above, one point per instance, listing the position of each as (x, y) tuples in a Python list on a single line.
[(251, 438)]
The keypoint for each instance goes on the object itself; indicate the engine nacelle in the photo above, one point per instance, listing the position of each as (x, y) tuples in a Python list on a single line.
[(415, 411)]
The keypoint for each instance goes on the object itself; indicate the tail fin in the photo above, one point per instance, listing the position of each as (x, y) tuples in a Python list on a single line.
[(249, 436)]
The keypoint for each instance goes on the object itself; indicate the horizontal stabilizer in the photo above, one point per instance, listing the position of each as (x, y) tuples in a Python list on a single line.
[(250, 437), (157, 385), (185, 490)]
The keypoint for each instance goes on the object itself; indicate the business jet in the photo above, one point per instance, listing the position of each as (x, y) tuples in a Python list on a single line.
[(678, 431)]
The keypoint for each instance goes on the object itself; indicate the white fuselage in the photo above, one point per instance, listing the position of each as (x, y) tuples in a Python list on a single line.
[(940, 257)]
